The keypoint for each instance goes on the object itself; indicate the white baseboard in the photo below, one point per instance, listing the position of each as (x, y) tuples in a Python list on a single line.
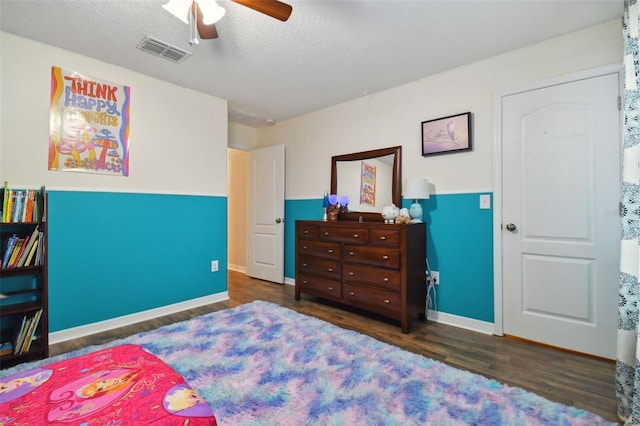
[(237, 268), (461, 322), (110, 324), (102, 326), (289, 281)]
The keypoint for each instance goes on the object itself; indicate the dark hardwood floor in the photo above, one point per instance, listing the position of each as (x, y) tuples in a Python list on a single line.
[(568, 378)]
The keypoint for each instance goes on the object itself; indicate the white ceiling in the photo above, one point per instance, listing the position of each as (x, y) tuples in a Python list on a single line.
[(328, 52)]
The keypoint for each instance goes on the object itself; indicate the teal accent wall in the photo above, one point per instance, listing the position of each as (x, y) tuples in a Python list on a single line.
[(459, 246), (114, 254), (297, 210)]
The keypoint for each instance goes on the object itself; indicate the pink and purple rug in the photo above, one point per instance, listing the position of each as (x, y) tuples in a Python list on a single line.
[(262, 364)]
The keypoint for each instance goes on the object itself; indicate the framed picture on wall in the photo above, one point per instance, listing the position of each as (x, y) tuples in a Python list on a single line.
[(446, 135)]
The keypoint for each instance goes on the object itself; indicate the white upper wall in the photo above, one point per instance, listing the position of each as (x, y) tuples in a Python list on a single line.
[(178, 137), (242, 137), (394, 117)]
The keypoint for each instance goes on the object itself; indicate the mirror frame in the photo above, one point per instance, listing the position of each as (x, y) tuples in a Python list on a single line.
[(396, 184)]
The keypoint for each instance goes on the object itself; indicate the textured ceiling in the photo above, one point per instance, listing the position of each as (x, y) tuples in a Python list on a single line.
[(328, 52)]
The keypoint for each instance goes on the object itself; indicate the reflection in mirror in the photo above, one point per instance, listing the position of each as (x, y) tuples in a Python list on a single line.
[(370, 179), (367, 183)]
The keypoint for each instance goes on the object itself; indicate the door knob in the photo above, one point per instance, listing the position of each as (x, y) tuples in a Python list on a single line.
[(511, 227), (278, 220)]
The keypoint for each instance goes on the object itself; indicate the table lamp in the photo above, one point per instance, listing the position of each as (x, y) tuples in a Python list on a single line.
[(416, 189)]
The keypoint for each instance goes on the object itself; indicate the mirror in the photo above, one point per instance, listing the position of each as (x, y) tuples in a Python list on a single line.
[(370, 179)]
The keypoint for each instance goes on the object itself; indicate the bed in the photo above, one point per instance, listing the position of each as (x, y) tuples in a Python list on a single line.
[(120, 385)]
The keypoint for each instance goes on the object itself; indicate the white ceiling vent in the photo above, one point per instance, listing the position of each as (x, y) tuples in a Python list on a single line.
[(160, 48)]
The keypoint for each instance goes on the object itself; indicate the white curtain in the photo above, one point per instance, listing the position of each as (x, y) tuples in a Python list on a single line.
[(628, 351)]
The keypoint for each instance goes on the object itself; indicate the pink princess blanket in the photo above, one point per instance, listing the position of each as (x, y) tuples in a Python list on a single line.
[(124, 385)]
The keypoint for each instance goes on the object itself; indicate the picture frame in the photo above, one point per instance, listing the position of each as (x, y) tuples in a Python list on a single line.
[(447, 135)]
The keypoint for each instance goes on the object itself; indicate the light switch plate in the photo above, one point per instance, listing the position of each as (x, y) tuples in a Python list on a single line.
[(485, 201)]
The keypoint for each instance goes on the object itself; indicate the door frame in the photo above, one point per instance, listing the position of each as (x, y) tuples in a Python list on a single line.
[(498, 299)]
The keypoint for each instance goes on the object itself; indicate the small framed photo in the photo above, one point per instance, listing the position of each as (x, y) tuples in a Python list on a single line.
[(446, 135)]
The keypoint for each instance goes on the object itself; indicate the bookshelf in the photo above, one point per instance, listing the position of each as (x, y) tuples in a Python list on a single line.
[(24, 325)]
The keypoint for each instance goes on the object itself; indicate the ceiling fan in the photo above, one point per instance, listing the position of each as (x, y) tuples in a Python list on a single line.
[(206, 13)]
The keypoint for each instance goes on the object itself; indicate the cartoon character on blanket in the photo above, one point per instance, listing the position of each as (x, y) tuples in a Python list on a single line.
[(121, 384)]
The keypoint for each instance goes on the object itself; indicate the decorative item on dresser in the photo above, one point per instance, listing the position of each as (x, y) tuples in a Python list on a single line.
[(370, 265)]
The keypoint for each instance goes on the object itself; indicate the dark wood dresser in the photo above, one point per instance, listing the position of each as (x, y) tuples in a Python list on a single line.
[(371, 265)]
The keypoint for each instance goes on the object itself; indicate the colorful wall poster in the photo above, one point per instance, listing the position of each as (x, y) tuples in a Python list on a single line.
[(368, 185), (88, 124)]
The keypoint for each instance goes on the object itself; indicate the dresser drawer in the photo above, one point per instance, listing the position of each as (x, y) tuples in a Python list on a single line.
[(319, 248), (368, 265), (369, 255), (371, 298), (386, 278), (319, 285), (344, 235), (307, 231), (385, 237), (318, 266)]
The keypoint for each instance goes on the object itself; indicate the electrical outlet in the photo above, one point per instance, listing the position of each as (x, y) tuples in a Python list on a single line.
[(214, 266), (435, 275)]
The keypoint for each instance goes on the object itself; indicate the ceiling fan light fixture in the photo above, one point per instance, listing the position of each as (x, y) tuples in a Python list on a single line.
[(179, 9), (211, 11)]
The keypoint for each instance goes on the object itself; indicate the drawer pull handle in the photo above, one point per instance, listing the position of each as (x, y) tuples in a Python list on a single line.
[(385, 257), (304, 264), (306, 232), (330, 269), (330, 288), (356, 236), (387, 301), (351, 253), (383, 238), (304, 247), (304, 282), (385, 279), (351, 293), (326, 233), (330, 250), (351, 273)]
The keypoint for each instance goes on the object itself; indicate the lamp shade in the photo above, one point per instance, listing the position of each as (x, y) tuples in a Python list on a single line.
[(416, 189)]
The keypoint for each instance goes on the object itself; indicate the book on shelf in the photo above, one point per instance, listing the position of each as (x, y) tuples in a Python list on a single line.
[(22, 205), (33, 250), (6, 348), (17, 198), (32, 331), (31, 198), (19, 335), (40, 251), (5, 201), (26, 333), (14, 253), (22, 257), (8, 250), (19, 251)]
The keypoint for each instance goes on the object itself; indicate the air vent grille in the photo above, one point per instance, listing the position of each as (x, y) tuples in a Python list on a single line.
[(160, 48)]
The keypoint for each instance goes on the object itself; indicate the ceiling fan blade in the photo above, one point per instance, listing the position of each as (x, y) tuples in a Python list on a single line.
[(205, 31), (274, 8)]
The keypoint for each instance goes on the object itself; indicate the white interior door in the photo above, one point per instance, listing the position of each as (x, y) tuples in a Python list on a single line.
[(265, 245), (560, 223)]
